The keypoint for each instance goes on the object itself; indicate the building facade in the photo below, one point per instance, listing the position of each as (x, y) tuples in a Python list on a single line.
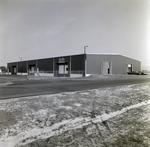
[(76, 65)]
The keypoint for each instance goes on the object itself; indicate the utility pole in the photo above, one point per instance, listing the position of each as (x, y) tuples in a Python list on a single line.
[(85, 61)]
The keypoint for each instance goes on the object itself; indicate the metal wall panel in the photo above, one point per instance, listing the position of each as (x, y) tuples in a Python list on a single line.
[(119, 63), (32, 62), (22, 67), (77, 62), (45, 64), (95, 63), (10, 66)]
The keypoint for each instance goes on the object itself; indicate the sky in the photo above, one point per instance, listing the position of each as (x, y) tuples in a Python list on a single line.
[(34, 29)]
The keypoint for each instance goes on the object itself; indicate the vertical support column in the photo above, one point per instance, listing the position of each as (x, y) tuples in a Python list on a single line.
[(36, 64), (37, 69), (17, 68), (27, 71), (70, 66), (64, 70), (53, 67), (21, 65), (7, 70)]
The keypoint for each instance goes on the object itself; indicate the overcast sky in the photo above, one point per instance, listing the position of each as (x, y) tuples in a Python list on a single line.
[(34, 29)]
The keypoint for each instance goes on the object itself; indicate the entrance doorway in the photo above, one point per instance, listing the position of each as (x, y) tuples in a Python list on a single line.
[(129, 68), (107, 68), (14, 70), (32, 69), (63, 69)]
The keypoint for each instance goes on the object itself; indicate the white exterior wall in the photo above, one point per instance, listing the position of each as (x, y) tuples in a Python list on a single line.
[(76, 75)]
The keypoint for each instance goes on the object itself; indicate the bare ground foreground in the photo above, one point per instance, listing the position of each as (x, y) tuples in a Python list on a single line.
[(115, 116)]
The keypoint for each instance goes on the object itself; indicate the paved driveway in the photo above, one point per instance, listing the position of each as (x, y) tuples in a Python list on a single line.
[(22, 87)]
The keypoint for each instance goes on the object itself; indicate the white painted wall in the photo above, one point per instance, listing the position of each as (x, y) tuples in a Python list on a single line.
[(44, 74), (76, 75)]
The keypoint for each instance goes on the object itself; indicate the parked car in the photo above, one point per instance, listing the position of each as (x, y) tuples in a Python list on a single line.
[(136, 73)]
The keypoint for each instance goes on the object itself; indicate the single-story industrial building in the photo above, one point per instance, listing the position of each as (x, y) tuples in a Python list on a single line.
[(76, 65)]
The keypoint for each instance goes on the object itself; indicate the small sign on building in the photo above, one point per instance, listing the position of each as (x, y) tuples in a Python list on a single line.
[(61, 60)]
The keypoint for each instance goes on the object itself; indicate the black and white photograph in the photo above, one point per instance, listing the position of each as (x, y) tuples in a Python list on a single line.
[(74, 73)]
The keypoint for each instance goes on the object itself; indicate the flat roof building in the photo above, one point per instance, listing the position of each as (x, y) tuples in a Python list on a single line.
[(76, 65)]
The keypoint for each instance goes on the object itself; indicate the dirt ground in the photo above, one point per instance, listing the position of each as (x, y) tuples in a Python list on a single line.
[(121, 131), (117, 116)]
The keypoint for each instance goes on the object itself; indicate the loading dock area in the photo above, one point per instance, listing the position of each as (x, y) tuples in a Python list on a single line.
[(76, 65)]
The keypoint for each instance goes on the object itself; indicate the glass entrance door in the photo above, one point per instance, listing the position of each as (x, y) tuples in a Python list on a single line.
[(63, 69)]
